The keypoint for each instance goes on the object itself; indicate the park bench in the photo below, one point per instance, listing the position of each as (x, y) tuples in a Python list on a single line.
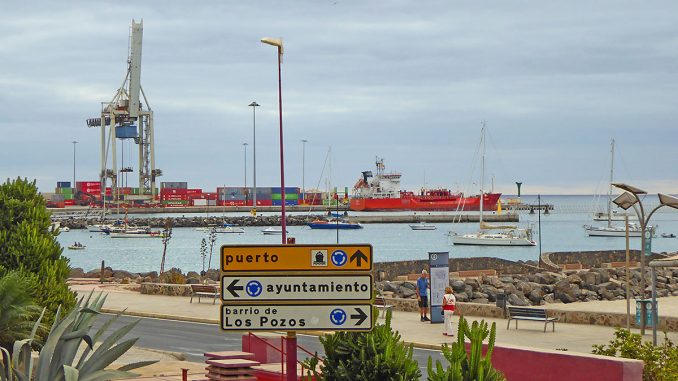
[(380, 303), (528, 313), (204, 290)]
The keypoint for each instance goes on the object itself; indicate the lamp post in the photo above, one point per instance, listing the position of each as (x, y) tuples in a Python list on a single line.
[(74, 143), (279, 44), (254, 106), (303, 170), (245, 145), (629, 199)]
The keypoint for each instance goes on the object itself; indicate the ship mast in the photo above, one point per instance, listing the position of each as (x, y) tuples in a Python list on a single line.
[(609, 193), (482, 169)]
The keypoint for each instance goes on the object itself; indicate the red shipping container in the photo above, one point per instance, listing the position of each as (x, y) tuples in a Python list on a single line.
[(193, 191), (173, 197), (264, 202), (69, 202), (173, 191), (234, 203), (210, 196)]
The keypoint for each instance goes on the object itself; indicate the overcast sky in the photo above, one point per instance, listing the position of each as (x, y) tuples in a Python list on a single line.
[(406, 81)]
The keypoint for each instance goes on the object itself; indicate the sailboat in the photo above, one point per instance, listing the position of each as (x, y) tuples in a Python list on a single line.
[(492, 235), (612, 230)]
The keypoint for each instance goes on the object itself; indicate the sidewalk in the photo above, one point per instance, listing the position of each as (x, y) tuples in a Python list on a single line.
[(570, 337)]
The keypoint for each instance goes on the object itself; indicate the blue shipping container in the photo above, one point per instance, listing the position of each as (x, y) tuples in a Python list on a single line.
[(287, 190), (63, 184), (288, 203)]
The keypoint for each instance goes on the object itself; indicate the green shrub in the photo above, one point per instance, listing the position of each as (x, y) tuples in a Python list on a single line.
[(173, 276), (377, 355), (471, 366), (28, 245), (69, 353), (17, 311), (661, 362)]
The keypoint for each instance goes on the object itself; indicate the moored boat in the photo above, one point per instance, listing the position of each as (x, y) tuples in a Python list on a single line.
[(422, 226), (273, 230), (334, 224), (381, 191), (76, 246)]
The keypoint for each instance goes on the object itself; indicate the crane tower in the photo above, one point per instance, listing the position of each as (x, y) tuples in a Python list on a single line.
[(126, 117)]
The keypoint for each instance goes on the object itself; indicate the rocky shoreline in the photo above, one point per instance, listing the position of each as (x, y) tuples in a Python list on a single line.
[(520, 289)]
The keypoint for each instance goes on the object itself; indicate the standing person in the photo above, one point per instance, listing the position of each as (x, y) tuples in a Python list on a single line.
[(422, 298), (449, 303)]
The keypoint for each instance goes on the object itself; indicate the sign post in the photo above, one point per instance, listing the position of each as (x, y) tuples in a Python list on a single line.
[(440, 278), (296, 288)]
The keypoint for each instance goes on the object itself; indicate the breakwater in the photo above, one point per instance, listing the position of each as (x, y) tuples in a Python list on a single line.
[(292, 220)]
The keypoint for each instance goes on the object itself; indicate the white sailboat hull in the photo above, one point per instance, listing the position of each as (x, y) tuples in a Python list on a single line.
[(482, 239), (422, 226), (611, 232)]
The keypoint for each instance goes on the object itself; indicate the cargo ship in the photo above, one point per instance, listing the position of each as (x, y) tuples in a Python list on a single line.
[(381, 192)]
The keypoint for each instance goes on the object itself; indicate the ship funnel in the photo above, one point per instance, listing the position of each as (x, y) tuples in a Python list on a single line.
[(366, 175)]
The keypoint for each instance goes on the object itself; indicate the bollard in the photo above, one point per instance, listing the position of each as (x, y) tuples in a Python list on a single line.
[(184, 374), (101, 274)]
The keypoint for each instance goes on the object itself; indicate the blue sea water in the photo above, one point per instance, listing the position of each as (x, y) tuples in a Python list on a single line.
[(561, 230)]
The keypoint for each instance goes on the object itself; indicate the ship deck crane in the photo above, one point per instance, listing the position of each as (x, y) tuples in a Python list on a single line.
[(125, 117)]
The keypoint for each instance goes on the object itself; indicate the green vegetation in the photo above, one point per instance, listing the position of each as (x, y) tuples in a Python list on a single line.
[(28, 246), (377, 355), (17, 311), (661, 362), (60, 358), (471, 366)]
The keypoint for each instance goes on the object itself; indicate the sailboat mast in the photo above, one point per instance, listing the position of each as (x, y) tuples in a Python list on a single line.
[(482, 170), (609, 193)]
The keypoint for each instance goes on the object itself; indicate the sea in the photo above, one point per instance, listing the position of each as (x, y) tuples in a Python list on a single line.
[(559, 230)]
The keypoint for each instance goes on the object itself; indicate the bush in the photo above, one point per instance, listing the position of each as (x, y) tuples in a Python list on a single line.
[(376, 355), (661, 362), (28, 245), (471, 366), (173, 276), (17, 310)]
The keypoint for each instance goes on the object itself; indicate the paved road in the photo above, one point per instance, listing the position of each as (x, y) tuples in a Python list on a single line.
[(193, 339)]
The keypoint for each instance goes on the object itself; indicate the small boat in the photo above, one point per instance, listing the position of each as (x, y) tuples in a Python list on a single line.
[(668, 235), (96, 228), (334, 224), (229, 229), (517, 237), (137, 234), (422, 226), (273, 230), (77, 246), (615, 231)]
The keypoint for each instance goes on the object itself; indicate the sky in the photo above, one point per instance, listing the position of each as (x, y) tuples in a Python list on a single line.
[(409, 82)]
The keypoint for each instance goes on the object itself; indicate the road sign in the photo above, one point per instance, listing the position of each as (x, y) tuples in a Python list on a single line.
[(648, 241), (297, 317), (263, 288), (258, 258)]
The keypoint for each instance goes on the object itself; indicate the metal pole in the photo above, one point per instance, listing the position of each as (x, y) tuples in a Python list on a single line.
[(655, 315), (539, 219), (628, 276), (74, 143), (245, 145), (303, 170), (643, 225), (282, 162), (254, 106), (291, 359)]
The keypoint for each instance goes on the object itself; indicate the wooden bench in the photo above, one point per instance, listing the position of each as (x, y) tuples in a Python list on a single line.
[(204, 290), (528, 313), (381, 305)]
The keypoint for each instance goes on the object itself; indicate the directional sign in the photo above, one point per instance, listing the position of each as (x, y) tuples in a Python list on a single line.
[(251, 258), (263, 288), (298, 317)]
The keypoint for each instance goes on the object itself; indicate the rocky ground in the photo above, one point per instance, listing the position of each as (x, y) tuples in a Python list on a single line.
[(547, 287), (520, 290)]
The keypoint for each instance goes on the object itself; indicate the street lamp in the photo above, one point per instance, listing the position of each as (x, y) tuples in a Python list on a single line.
[(625, 201), (74, 143), (254, 106), (245, 145), (303, 170), (279, 44)]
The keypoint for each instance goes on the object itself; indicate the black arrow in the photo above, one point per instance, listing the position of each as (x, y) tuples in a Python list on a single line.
[(358, 257), (232, 288), (361, 316)]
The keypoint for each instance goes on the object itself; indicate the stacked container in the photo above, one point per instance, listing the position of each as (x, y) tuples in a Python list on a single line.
[(174, 194), (291, 196)]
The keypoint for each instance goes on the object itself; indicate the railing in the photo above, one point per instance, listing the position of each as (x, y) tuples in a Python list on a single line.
[(281, 350)]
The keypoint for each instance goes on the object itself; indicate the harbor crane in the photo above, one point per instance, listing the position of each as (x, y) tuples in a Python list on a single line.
[(126, 117)]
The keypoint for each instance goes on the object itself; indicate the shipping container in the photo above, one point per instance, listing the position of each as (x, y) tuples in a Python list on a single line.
[(193, 191), (173, 191), (63, 184), (233, 203), (211, 196), (287, 202), (57, 197), (199, 202), (264, 202), (287, 190), (212, 202), (69, 202), (174, 185)]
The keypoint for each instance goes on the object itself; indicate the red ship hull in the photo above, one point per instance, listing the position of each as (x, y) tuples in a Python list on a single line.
[(428, 203)]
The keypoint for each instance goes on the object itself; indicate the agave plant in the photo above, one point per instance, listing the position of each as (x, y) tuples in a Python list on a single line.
[(471, 366), (57, 360)]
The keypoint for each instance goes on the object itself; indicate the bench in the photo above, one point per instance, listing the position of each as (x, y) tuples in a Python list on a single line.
[(204, 290), (528, 313), (381, 305)]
